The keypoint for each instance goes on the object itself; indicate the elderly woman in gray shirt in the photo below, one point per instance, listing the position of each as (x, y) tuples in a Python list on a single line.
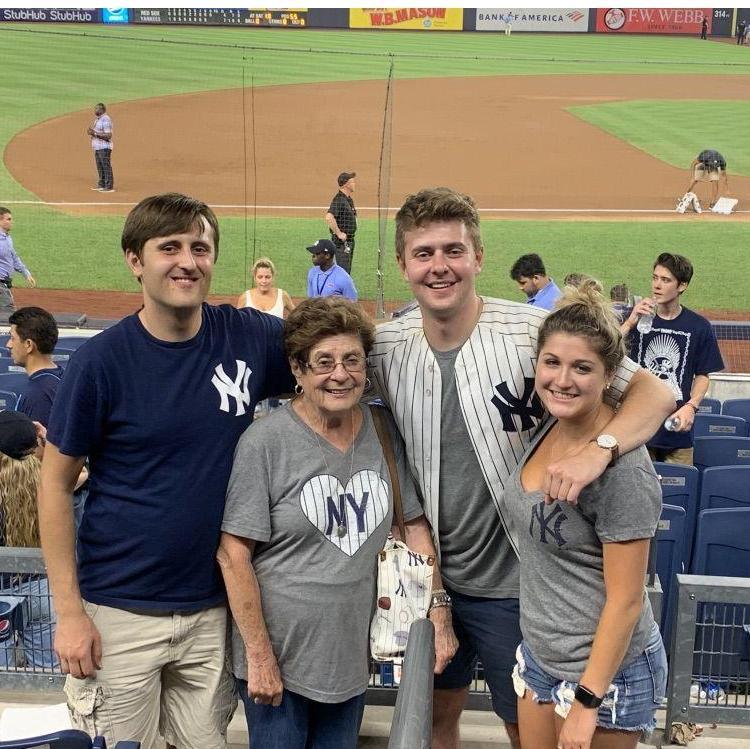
[(309, 506)]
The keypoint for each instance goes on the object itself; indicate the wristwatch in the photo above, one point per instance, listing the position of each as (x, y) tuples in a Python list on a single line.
[(608, 442), (587, 698), (439, 599)]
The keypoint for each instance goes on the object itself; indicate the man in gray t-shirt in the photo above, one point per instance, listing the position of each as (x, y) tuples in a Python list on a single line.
[(319, 517)]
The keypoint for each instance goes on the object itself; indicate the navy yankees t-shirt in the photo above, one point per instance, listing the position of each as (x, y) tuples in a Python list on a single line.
[(676, 351), (37, 399), (160, 422)]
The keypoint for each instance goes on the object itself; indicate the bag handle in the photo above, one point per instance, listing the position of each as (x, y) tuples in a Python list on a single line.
[(390, 459)]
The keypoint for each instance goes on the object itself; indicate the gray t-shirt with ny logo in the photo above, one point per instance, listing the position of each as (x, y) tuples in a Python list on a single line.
[(561, 554), (320, 517)]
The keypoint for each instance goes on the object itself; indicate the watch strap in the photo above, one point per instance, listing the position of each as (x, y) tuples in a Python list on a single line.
[(587, 698)]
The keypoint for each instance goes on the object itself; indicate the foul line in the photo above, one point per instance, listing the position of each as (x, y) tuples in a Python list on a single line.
[(240, 206)]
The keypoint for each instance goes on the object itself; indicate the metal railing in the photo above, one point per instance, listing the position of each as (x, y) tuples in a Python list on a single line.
[(27, 623), (709, 673)]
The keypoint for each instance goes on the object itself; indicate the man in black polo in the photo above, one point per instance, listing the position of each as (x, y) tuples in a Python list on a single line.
[(342, 220), (710, 166)]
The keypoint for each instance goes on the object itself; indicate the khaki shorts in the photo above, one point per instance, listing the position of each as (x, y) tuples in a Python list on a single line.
[(681, 455), (701, 173), (161, 674)]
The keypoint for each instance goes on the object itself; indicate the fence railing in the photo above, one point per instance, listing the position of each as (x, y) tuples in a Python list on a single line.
[(709, 665)]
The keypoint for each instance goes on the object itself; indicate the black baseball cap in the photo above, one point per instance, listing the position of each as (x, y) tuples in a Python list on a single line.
[(344, 177), (17, 434), (322, 245)]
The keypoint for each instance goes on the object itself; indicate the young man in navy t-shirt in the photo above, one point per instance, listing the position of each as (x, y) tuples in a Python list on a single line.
[(157, 403), (33, 337), (680, 349)]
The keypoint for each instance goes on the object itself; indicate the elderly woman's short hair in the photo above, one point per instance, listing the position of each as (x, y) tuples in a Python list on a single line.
[(320, 317)]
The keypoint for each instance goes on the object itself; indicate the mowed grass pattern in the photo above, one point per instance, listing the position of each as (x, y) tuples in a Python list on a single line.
[(51, 70)]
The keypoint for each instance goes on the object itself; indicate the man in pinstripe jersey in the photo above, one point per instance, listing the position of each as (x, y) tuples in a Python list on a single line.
[(458, 374)]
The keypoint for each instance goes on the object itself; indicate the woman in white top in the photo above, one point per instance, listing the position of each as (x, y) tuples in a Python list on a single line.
[(264, 296)]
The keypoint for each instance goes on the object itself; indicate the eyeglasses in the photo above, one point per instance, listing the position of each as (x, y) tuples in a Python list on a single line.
[(353, 364)]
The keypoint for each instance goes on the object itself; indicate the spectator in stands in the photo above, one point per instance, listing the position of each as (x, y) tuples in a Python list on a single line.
[(158, 401), (680, 348), (19, 525), (33, 337), (531, 276), (576, 279), (600, 666), (619, 295), (326, 277), (9, 262), (300, 577), (341, 218), (264, 296), (457, 374)]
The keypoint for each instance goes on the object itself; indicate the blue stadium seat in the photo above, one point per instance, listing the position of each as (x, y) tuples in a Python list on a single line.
[(61, 356), (737, 407), (15, 382), (709, 406), (69, 739), (8, 400), (4, 339), (725, 487), (721, 451), (71, 342), (7, 365), (722, 543), (679, 486), (670, 553), (713, 425)]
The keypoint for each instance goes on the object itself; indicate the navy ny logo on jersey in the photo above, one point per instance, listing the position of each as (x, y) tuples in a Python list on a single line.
[(528, 407), (547, 524)]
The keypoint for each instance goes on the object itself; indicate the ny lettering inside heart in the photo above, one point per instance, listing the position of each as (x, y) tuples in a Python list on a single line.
[(346, 516)]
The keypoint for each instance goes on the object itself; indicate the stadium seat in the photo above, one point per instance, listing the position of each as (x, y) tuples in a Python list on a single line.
[(721, 451), (61, 356), (737, 407), (68, 739), (14, 382), (722, 543), (709, 406), (713, 425), (8, 400), (7, 365), (679, 486), (670, 553), (725, 487), (4, 339), (71, 342)]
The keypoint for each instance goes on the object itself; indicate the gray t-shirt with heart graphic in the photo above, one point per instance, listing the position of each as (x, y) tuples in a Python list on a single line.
[(319, 518)]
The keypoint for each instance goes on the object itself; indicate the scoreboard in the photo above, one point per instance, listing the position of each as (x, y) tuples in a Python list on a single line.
[(221, 16)]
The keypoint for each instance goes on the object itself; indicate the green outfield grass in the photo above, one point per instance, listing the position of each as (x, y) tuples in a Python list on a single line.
[(654, 126), (49, 71), (614, 252)]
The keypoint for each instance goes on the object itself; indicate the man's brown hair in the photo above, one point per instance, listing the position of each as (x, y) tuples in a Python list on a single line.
[(433, 205), (165, 214)]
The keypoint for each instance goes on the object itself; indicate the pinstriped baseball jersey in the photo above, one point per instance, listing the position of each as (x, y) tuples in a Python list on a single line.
[(494, 373)]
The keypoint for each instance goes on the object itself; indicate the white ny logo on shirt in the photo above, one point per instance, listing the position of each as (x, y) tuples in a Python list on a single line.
[(237, 388)]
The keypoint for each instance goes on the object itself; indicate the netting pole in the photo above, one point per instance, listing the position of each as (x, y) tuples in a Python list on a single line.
[(384, 190), (248, 282)]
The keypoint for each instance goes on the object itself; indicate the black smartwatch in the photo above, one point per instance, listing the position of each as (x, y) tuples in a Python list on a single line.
[(587, 698)]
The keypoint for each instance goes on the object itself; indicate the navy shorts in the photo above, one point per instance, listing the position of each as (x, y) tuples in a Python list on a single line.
[(635, 693), (487, 629)]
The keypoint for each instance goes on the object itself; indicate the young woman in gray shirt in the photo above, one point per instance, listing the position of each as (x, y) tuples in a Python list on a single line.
[(591, 669)]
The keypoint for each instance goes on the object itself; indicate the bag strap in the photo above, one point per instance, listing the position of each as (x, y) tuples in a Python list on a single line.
[(390, 459)]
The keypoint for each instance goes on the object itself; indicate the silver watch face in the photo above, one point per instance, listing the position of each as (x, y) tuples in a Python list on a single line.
[(607, 441)]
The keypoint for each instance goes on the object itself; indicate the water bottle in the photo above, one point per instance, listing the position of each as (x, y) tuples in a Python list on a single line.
[(645, 323), (672, 424)]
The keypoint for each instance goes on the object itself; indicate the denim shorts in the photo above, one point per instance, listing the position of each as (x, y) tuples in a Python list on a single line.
[(635, 693), (488, 629)]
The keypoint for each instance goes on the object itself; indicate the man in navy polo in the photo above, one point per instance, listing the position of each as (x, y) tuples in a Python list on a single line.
[(157, 403)]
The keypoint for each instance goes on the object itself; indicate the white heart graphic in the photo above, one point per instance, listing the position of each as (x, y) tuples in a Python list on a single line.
[(354, 512)]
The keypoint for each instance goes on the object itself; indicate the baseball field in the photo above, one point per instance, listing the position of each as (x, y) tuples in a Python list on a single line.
[(574, 146)]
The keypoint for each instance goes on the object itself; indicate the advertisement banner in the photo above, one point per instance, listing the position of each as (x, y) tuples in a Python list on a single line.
[(534, 19), (652, 20), (50, 15), (420, 19), (296, 17), (115, 15)]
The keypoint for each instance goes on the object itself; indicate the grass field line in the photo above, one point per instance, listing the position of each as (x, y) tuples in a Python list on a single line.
[(240, 206)]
